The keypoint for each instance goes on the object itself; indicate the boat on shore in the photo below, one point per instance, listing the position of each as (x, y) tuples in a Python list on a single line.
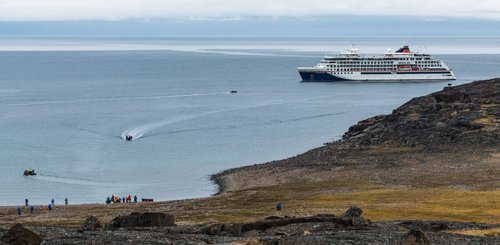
[(401, 65)]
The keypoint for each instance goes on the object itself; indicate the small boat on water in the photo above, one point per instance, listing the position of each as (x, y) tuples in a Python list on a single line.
[(29, 172), (129, 137)]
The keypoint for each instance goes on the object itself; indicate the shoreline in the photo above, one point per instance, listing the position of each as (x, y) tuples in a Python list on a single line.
[(432, 158)]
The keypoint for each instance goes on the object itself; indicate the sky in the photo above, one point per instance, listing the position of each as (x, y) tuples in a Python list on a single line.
[(249, 17)]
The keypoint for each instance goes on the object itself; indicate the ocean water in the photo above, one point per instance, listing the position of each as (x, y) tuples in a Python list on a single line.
[(67, 102)]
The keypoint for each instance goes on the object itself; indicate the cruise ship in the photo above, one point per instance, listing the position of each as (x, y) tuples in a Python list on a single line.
[(402, 65)]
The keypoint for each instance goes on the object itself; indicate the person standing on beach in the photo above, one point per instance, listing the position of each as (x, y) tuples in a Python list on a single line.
[(18, 211), (278, 206), (52, 201), (26, 201), (66, 201), (135, 198), (50, 207)]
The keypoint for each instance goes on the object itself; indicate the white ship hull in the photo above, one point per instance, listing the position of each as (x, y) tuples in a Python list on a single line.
[(309, 74), (399, 77)]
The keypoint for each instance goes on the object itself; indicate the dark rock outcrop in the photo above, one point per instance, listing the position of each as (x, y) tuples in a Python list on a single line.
[(91, 223), (415, 237), (353, 212), (466, 114), (142, 220), (261, 225), (22, 236)]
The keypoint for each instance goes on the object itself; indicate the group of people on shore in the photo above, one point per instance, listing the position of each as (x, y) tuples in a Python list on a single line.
[(116, 199), (32, 208), (109, 200)]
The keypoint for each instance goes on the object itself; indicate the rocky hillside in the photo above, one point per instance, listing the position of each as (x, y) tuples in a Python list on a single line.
[(467, 115), (457, 127)]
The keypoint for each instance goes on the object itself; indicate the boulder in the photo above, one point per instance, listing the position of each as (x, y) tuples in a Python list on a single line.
[(353, 212), (142, 220), (415, 237), (20, 235), (91, 223), (214, 229)]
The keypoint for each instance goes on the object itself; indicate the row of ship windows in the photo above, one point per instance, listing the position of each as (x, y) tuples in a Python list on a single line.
[(379, 69), (383, 63), (419, 65), (375, 66), (329, 58), (372, 69), (413, 59)]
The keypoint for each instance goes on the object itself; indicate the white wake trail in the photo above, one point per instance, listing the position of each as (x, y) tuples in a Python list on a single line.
[(80, 181), (140, 131)]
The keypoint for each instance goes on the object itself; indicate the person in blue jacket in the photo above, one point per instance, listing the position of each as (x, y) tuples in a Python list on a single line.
[(278, 206)]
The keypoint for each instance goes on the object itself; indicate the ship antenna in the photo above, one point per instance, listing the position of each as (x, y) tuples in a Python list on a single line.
[(421, 48)]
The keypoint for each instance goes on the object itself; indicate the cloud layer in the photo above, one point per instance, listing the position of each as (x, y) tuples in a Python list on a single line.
[(65, 10)]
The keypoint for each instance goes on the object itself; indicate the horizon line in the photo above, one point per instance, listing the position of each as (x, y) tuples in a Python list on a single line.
[(257, 36)]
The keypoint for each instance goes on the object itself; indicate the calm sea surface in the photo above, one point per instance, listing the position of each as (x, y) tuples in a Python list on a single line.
[(67, 103)]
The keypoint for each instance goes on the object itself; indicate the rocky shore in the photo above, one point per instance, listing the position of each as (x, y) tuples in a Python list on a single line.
[(428, 173)]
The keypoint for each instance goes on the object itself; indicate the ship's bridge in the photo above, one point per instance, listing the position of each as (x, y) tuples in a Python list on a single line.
[(351, 52)]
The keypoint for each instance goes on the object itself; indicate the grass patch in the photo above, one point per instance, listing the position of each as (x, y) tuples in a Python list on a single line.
[(299, 199), (478, 232)]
